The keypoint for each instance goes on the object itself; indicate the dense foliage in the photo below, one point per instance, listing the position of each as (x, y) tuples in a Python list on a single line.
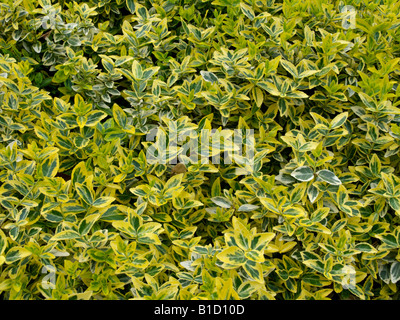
[(85, 215)]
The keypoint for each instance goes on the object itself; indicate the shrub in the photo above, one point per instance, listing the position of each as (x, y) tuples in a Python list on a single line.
[(107, 106)]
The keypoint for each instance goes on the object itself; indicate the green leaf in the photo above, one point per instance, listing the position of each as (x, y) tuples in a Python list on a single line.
[(248, 207), (3, 242), (222, 202), (85, 193), (232, 256), (141, 191), (94, 117), (137, 71), (209, 76), (149, 72), (81, 121), (389, 240), (246, 289), (79, 173), (316, 265), (254, 270), (338, 225), (119, 116), (375, 165), (269, 87), (261, 240), (289, 67), (312, 193), (73, 206), (303, 173), (297, 193), (65, 235), (247, 10), (270, 205), (368, 101), (365, 247), (140, 262), (50, 166), (394, 203), (87, 223), (319, 214), (339, 120), (102, 202), (97, 255), (16, 254), (149, 238), (54, 216), (395, 272), (329, 177), (111, 214), (294, 212), (357, 291), (81, 142), (174, 182)]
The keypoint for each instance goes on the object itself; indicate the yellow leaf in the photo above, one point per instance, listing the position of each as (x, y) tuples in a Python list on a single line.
[(259, 97), (232, 256), (242, 235)]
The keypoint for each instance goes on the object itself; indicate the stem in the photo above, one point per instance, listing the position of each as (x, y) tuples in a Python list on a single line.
[(5, 218)]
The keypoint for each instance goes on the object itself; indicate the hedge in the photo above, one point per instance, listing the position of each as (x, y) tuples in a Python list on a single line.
[(215, 150)]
